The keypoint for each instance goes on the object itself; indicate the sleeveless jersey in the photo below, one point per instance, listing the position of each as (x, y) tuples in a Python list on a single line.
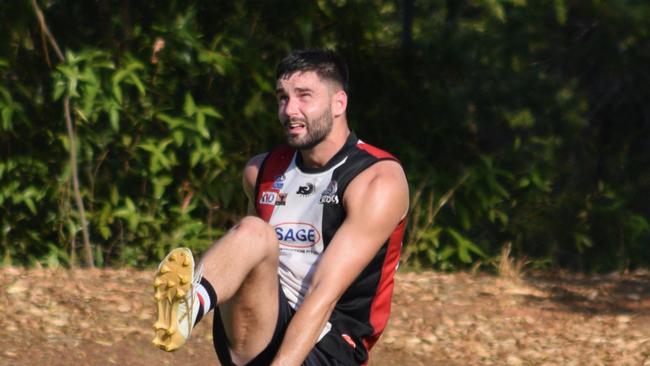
[(305, 207)]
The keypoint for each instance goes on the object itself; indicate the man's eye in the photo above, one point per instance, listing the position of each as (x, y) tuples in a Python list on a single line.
[(282, 98)]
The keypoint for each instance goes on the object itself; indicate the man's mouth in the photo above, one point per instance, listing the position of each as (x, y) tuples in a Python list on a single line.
[(295, 126)]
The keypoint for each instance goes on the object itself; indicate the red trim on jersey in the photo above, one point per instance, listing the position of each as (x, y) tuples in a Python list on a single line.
[(275, 164), (374, 151), (380, 306)]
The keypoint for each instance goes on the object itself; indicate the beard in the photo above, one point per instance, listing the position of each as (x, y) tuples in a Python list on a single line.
[(317, 130)]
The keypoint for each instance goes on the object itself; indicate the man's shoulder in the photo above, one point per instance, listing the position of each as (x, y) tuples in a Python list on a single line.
[(281, 152), (383, 172), (257, 160), (375, 151), (383, 186), (379, 161), (268, 164)]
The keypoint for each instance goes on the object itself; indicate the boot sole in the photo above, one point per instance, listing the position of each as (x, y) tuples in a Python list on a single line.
[(173, 280)]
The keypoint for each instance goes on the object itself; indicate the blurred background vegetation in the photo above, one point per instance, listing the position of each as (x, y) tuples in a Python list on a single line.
[(520, 123)]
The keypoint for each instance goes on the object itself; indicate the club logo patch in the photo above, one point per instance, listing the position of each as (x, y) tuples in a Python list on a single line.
[(329, 194), (306, 190), (297, 234), (279, 181), (268, 198), (281, 199)]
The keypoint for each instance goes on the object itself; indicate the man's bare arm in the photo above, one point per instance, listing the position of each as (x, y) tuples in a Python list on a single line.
[(249, 178), (376, 201)]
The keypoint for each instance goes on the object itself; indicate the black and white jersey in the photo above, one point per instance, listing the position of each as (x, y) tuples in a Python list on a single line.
[(305, 207)]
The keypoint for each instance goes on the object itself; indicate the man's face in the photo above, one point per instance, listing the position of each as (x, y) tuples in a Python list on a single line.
[(304, 108)]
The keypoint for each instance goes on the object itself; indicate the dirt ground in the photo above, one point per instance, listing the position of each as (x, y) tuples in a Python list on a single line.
[(104, 317)]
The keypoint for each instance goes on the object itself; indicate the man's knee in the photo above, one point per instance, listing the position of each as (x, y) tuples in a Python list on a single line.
[(256, 231)]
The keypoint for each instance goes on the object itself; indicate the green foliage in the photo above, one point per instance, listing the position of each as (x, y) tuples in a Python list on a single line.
[(528, 98), (517, 121)]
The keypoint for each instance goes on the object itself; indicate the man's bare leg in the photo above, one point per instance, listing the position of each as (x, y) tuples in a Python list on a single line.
[(242, 268)]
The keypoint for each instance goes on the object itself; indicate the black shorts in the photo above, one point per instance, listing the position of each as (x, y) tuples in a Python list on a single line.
[(285, 312)]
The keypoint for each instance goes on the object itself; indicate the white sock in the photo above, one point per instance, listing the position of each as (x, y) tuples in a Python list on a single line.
[(203, 301)]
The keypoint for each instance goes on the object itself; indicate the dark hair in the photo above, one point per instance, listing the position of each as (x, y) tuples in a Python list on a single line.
[(327, 64)]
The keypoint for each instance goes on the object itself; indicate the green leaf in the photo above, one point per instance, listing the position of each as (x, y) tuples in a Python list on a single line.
[(431, 255), (114, 117), (189, 107), (6, 119), (159, 184), (105, 232), (179, 137), (120, 75), (30, 204), (138, 83), (446, 253), (127, 140), (71, 57), (123, 74), (215, 149), (200, 125), (463, 254), (497, 187), (254, 106), (464, 246), (59, 88), (52, 259), (157, 157), (115, 196), (209, 111), (68, 71), (263, 83), (195, 157), (521, 119), (220, 63), (172, 122), (497, 9), (72, 76), (560, 11), (473, 248), (538, 182), (117, 92), (503, 217)]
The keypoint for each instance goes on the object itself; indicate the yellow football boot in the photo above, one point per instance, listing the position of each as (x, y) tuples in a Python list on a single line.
[(176, 300)]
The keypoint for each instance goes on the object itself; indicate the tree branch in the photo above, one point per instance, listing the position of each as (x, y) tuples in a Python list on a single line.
[(75, 182), (73, 144), (46, 31)]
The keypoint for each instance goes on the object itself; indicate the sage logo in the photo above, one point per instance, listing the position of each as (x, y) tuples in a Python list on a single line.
[(306, 190), (297, 234), (329, 194)]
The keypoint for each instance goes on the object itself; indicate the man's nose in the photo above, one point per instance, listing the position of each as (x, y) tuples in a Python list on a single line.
[(291, 107)]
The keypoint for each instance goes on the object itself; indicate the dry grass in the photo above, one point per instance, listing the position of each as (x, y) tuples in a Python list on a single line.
[(104, 317), (508, 267)]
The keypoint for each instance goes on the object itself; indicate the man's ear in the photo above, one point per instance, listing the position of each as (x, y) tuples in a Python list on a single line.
[(339, 103)]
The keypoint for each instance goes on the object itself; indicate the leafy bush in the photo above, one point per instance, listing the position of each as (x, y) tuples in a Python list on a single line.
[(517, 121)]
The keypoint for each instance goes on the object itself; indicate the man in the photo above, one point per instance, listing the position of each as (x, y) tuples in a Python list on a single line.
[(307, 278)]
